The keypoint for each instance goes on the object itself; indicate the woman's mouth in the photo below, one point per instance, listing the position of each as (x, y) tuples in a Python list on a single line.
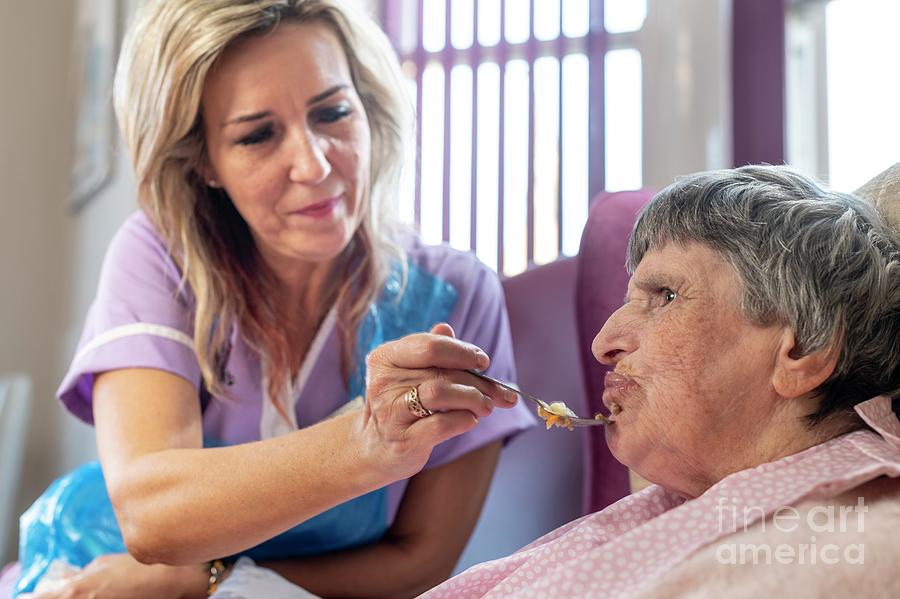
[(319, 209), (615, 387)]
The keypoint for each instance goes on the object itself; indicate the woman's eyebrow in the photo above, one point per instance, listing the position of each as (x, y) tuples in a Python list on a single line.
[(328, 92), (245, 118), (653, 281)]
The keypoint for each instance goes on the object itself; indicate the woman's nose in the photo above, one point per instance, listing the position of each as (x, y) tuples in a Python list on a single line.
[(616, 339), (310, 163)]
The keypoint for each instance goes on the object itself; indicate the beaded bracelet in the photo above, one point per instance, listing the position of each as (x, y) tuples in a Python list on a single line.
[(216, 569)]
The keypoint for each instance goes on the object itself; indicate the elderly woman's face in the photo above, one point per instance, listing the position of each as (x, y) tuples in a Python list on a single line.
[(691, 374), (288, 139)]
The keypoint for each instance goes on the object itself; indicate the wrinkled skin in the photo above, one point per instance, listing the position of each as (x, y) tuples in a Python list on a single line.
[(699, 375)]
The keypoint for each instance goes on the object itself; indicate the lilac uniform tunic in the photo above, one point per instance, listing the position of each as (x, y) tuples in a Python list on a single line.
[(141, 319)]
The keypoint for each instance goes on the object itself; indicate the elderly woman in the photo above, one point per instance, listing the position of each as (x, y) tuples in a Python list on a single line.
[(244, 313), (762, 313)]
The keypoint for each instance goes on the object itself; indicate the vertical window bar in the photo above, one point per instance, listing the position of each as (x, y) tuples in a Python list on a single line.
[(560, 47), (529, 219), (390, 18), (447, 61), (596, 51), (419, 60), (502, 55), (473, 197)]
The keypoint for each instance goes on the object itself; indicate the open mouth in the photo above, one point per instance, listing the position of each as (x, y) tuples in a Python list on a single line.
[(615, 386)]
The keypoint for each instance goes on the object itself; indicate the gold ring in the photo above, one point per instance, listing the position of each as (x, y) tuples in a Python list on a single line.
[(415, 406)]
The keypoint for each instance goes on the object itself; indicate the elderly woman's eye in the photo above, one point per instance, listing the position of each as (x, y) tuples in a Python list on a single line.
[(668, 296)]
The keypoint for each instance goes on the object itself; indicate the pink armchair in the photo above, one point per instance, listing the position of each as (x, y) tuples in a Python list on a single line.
[(547, 478), (601, 283)]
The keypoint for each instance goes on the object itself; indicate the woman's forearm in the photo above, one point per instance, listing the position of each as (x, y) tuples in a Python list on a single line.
[(433, 524), (180, 503), (182, 506)]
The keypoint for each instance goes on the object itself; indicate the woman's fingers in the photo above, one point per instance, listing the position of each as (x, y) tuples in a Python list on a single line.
[(445, 390), (428, 350), (418, 394), (443, 328), (440, 396), (442, 426)]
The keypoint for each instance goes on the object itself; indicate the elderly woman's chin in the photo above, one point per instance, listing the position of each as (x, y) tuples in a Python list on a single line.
[(627, 442), (623, 402), (636, 443)]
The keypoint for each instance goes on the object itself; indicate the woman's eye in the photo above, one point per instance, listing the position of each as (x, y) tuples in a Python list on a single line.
[(668, 296), (257, 136), (332, 114)]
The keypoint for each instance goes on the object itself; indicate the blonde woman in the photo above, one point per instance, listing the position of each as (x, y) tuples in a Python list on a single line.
[(245, 311)]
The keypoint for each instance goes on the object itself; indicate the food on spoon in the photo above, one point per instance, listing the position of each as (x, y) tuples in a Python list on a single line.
[(614, 409), (602, 417), (557, 414)]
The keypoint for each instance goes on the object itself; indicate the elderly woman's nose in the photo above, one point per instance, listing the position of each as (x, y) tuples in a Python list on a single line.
[(614, 341), (309, 161)]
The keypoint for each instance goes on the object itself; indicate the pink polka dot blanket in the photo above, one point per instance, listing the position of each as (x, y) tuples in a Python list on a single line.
[(622, 550)]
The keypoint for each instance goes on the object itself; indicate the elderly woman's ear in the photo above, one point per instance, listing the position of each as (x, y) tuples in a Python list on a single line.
[(795, 373)]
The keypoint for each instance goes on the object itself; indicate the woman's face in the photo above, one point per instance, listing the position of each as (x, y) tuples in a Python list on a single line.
[(288, 139), (692, 375)]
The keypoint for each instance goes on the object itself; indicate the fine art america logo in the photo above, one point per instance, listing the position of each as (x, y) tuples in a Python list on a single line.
[(833, 523)]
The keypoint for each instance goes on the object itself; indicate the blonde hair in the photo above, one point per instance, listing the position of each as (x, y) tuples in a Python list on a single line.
[(166, 56)]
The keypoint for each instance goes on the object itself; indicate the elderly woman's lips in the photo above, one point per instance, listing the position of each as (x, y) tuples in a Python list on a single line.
[(614, 380), (614, 386)]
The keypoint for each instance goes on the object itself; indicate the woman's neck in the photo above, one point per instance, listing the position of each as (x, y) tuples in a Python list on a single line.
[(301, 286), (786, 434), (303, 293), (786, 431), (791, 432)]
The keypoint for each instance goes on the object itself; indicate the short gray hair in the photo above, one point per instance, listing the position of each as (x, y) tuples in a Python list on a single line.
[(818, 261)]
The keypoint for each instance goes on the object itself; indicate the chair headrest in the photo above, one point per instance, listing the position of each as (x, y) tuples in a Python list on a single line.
[(883, 190)]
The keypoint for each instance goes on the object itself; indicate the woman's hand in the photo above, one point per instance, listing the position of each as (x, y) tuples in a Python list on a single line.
[(120, 576), (434, 363)]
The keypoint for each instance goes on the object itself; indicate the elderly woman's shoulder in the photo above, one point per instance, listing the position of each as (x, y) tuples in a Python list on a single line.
[(882, 492), (842, 546), (861, 515)]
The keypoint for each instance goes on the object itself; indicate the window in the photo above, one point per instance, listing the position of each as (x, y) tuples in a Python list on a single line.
[(510, 100), (842, 120)]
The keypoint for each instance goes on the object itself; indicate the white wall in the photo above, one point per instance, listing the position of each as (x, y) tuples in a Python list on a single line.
[(686, 47), (49, 258), (34, 148)]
